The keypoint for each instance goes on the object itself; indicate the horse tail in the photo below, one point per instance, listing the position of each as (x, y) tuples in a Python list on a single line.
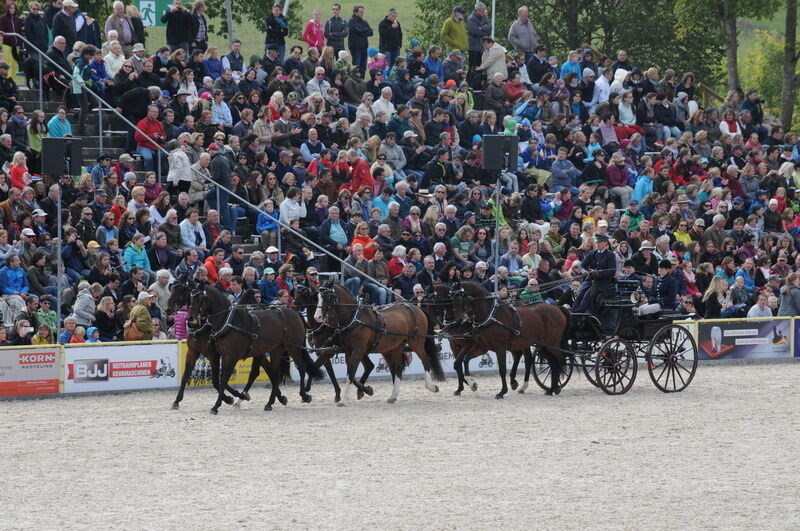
[(567, 330), (432, 350), (313, 371), (285, 369)]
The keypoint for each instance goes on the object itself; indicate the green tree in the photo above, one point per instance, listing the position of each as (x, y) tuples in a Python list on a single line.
[(790, 57), (760, 68)]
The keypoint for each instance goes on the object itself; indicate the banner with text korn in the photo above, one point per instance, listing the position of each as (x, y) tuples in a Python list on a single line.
[(745, 339), (201, 371), (120, 366), (26, 371)]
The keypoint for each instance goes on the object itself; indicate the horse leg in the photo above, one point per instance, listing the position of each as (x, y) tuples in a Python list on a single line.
[(191, 358), (526, 353), (273, 368), (457, 365), (417, 345), (255, 370), (556, 366), (365, 389), (215, 378), (501, 366), (334, 382), (468, 379), (516, 355), (228, 363), (353, 360), (395, 361)]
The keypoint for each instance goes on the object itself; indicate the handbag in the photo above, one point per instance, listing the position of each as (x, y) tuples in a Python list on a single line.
[(132, 332)]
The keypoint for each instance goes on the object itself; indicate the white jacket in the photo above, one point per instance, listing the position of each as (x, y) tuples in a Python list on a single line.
[(493, 60), (180, 167)]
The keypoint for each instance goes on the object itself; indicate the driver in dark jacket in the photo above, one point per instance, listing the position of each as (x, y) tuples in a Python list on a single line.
[(601, 266)]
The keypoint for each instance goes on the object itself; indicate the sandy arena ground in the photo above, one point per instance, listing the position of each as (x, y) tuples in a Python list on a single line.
[(721, 455)]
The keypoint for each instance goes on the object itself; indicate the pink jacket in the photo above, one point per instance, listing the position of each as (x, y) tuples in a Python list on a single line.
[(180, 324), (314, 35)]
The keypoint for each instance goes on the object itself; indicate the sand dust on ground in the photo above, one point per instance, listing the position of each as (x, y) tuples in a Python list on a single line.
[(722, 454)]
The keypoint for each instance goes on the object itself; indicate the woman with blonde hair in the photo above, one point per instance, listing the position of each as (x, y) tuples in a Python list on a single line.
[(18, 170), (187, 84), (212, 65), (327, 60), (417, 126), (430, 219), (714, 298), (366, 106), (371, 147), (315, 104), (361, 235), (276, 101)]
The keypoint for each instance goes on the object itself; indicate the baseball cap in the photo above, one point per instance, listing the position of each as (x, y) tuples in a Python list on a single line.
[(166, 94), (700, 222), (28, 232), (143, 296), (38, 212), (311, 270), (213, 147), (602, 223), (272, 249), (409, 134), (93, 245), (481, 265), (468, 214), (269, 271)]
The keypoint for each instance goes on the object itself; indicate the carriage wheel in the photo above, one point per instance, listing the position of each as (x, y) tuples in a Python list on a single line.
[(615, 367), (587, 359), (541, 371), (672, 358)]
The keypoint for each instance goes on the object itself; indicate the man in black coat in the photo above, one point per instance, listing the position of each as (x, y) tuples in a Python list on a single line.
[(36, 31), (133, 105), (391, 37), (359, 31), (179, 26), (601, 266), (336, 29), (64, 23), (538, 66)]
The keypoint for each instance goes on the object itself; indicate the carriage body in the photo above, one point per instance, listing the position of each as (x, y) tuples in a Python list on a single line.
[(610, 358)]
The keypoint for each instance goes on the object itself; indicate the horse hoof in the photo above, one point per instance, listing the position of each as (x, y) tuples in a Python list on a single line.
[(514, 385), (435, 389), (245, 396), (337, 399), (214, 412), (228, 400), (359, 394), (521, 390), (306, 399), (474, 386), (283, 400), (369, 390), (391, 400), (176, 405), (499, 396), (339, 404), (557, 390), (268, 408), (457, 392), (549, 392)]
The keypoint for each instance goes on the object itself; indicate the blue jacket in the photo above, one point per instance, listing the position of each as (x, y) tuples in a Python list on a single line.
[(13, 281), (267, 221), (269, 289), (434, 66), (643, 188), (136, 257)]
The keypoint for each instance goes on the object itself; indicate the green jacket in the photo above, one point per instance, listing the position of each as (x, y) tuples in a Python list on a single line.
[(635, 218), (529, 296), (140, 314), (454, 35)]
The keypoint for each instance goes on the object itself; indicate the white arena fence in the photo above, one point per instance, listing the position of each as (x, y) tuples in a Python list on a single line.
[(49, 370)]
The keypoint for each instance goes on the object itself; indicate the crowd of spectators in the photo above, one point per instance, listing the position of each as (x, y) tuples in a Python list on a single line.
[(376, 155)]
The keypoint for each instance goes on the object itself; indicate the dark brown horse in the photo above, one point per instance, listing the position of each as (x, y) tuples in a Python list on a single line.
[(197, 343), (363, 329), (241, 332), (463, 346), (322, 336), (500, 327)]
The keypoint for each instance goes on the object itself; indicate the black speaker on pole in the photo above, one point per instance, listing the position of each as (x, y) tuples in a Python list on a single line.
[(495, 149), (62, 156)]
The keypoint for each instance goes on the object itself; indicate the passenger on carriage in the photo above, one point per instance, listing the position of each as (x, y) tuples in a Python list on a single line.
[(665, 290)]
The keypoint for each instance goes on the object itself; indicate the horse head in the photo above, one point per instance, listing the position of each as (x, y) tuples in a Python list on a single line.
[(180, 294), (331, 298), (206, 302)]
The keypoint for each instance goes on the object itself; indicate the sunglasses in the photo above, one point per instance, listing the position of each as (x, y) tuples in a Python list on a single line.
[(313, 274)]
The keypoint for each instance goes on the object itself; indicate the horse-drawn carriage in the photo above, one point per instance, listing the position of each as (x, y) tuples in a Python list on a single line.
[(610, 358)]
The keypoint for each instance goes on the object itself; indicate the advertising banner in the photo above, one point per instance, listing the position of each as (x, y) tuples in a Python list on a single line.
[(30, 371), (120, 367), (745, 339), (201, 374)]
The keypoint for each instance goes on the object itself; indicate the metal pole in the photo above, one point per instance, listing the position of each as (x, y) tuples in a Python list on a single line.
[(100, 127), (493, 16), (229, 19), (41, 84), (59, 263), (497, 231)]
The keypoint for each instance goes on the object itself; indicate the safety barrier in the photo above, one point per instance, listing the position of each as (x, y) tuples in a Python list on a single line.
[(47, 370)]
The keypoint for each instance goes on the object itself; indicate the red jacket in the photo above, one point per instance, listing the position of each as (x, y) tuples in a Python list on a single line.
[(151, 128), (359, 176)]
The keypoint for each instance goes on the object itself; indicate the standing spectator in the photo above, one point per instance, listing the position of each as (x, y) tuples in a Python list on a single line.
[(522, 35), (179, 26), (277, 29), (199, 32), (64, 24), (493, 60), (119, 22), (314, 32), (11, 23), (135, 19), (336, 29), (454, 31), (359, 31), (390, 37), (478, 27), (36, 29)]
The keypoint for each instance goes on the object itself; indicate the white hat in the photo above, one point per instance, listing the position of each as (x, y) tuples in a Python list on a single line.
[(69, 3), (38, 212), (143, 296), (272, 249), (602, 223), (481, 265), (646, 245), (28, 232), (138, 47)]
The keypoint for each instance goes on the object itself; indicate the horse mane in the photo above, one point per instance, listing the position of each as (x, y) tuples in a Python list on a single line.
[(474, 290), (249, 297), (214, 293)]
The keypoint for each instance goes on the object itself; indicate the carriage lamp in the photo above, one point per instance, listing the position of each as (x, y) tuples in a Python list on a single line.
[(636, 297)]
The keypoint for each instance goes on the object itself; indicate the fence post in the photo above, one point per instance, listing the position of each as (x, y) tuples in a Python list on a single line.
[(41, 83), (100, 127)]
